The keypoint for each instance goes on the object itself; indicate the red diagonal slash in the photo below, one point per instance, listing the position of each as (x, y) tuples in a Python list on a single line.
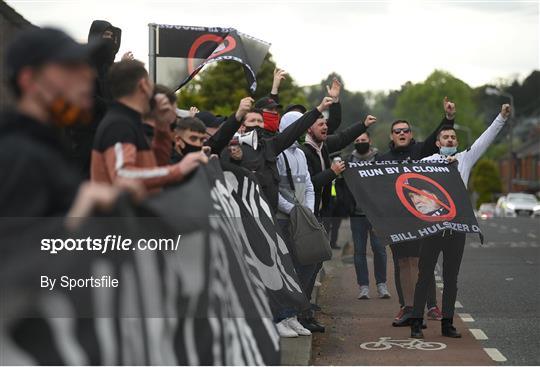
[(429, 196)]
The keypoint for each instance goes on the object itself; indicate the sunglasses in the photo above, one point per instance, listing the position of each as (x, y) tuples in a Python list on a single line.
[(404, 130)]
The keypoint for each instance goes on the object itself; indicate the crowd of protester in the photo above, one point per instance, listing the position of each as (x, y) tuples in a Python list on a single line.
[(85, 129)]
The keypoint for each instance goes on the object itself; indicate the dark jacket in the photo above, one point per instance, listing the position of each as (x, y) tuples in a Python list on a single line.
[(322, 179), (343, 192), (81, 137), (38, 179), (263, 160), (415, 150)]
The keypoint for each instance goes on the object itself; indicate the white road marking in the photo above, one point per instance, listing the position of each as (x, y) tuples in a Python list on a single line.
[(440, 285), (458, 305), (478, 334), (438, 278), (531, 235), (465, 317), (509, 279), (494, 354)]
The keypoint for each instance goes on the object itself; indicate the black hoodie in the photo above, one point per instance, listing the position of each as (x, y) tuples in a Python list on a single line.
[(81, 137)]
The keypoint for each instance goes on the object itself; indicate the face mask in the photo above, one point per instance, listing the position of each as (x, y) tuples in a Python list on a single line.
[(361, 148), (271, 121), (64, 114), (189, 148), (448, 150)]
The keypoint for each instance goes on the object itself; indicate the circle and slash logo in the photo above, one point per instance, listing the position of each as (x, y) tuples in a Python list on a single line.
[(225, 44), (425, 198)]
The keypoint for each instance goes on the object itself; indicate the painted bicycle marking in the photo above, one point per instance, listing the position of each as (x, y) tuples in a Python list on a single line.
[(385, 343)]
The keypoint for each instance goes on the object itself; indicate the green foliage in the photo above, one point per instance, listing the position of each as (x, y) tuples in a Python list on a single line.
[(486, 181), (220, 87), (422, 105)]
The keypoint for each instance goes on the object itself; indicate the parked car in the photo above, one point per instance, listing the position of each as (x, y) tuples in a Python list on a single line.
[(517, 204), (486, 211), (499, 207)]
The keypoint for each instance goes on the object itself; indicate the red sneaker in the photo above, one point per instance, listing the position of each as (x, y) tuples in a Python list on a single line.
[(434, 314), (400, 313)]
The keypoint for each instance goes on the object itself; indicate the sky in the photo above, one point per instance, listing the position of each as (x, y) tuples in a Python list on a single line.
[(373, 45)]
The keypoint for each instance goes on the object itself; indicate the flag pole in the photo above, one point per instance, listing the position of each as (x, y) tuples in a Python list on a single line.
[(152, 51)]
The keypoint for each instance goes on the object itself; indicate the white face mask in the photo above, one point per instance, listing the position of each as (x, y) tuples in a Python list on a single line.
[(448, 150)]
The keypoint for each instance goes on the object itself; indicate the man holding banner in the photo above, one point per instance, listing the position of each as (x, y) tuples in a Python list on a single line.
[(403, 147), (450, 242)]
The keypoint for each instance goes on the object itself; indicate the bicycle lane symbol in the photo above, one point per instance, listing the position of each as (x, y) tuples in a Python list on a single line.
[(385, 343)]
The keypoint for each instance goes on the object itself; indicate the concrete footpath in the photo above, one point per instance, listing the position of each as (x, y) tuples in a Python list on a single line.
[(359, 332)]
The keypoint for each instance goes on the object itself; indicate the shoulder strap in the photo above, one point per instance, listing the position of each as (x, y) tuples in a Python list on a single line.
[(289, 174)]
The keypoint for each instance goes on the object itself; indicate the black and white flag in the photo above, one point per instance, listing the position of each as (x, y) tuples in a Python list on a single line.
[(180, 52)]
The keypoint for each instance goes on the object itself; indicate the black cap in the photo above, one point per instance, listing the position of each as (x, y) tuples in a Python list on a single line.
[(39, 46), (266, 102), (209, 119), (295, 107)]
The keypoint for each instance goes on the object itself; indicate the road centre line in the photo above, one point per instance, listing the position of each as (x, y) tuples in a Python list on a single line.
[(478, 334), (494, 354), (465, 317)]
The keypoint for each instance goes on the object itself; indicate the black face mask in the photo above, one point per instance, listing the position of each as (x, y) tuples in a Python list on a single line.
[(361, 148), (261, 132), (188, 148)]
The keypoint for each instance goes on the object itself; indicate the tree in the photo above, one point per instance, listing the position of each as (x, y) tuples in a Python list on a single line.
[(219, 87), (421, 104), (486, 181)]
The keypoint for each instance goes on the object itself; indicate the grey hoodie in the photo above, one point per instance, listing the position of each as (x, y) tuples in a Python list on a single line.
[(303, 186)]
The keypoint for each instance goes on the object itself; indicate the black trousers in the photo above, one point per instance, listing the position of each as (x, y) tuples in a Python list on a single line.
[(451, 244), (413, 250)]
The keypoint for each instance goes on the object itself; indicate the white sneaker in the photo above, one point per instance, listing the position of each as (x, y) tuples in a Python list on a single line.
[(292, 323), (382, 289), (285, 331), (364, 292)]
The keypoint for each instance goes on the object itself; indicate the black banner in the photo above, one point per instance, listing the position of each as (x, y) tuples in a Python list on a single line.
[(413, 200), (264, 247), (201, 303), (182, 51)]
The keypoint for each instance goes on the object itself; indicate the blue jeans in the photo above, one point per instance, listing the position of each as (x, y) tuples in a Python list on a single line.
[(360, 228)]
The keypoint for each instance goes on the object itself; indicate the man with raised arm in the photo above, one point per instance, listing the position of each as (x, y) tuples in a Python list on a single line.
[(449, 242), (403, 147)]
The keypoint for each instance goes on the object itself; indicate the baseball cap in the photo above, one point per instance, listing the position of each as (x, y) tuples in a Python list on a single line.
[(266, 102), (39, 46), (296, 107), (209, 119)]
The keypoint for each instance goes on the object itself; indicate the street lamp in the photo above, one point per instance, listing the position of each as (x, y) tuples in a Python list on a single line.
[(497, 92)]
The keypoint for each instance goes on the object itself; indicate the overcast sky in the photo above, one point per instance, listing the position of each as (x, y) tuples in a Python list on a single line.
[(374, 45)]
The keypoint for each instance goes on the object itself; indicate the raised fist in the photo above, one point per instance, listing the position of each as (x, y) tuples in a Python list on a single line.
[(506, 111)]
